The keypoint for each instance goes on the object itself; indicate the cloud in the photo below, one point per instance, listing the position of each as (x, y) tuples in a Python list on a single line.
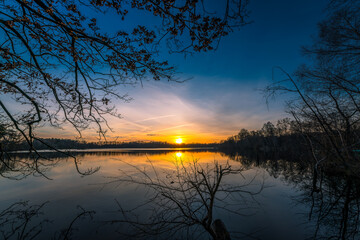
[(203, 109), (210, 107), (154, 118)]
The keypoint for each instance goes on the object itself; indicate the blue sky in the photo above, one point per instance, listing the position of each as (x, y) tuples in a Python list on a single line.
[(221, 95)]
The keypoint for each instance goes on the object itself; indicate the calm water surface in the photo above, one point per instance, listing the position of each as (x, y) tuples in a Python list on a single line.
[(280, 211)]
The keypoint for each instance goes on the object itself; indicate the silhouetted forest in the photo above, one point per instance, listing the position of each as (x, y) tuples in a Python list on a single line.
[(56, 143), (292, 140), (273, 141)]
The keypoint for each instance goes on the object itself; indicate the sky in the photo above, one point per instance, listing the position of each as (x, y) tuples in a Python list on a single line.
[(222, 91)]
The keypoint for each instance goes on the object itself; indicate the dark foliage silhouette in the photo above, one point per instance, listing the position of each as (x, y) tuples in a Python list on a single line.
[(63, 68), (283, 141)]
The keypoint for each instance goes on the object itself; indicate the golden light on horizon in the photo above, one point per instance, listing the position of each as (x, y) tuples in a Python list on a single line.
[(178, 140)]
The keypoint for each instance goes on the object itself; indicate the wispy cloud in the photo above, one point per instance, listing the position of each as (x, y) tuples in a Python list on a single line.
[(155, 118), (153, 134), (169, 128), (191, 110)]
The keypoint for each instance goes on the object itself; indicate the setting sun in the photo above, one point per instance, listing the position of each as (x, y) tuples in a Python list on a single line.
[(178, 140)]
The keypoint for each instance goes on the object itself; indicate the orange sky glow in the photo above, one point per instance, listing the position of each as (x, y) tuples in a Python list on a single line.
[(164, 112)]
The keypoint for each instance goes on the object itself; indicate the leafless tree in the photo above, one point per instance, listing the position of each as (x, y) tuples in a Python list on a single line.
[(62, 67), (326, 90), (15, 221), (22, 221), (183, 201), (333, 207)]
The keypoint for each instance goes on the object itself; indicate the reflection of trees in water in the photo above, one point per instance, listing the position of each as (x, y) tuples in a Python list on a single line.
[(334, 205), (288, 170), (333, 198), (182, 202), (22, 164), (23, 221), (18, 165), (17, 221)]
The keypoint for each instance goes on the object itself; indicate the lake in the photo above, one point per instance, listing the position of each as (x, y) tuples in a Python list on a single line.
[(277, 198)]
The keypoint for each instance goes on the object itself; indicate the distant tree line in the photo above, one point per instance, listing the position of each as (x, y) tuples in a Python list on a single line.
[(51, 143), (272, 141)]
